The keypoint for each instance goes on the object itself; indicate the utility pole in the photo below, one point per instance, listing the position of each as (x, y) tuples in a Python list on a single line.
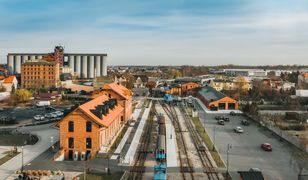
[(228, 149), (22, 158), (214, 137)]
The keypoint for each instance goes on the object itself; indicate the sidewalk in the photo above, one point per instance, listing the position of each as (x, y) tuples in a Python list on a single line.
[(30, 152)]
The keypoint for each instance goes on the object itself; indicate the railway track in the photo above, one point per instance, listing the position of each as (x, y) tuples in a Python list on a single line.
[(185, 164), (138, 168), (207, 163)]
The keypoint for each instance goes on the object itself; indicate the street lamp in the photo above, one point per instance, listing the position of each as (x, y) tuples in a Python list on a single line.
[(228, 149), (22, 158), (214, 138)]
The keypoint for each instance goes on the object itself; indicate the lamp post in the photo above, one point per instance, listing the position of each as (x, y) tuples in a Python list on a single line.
[(22, 158), (214, 137), (228, 149)]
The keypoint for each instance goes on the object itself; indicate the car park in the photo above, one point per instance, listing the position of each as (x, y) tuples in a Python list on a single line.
[(238, 129), (244, 122), (266, 147), (38, 117), (221, 122)]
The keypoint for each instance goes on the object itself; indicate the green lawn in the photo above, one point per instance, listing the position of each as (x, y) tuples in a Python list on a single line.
[(94, 176), (9, 155)]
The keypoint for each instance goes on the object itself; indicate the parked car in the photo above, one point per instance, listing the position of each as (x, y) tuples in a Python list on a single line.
[(38, 117), (54, 115), (48, 115), (218, 117), (221, 122), (238, 129), (245, 122), (50, 108), (232, 113), (59, 113), (266, 147), (226, 119)]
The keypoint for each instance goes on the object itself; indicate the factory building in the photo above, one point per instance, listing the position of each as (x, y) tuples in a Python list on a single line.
[(82, 65)]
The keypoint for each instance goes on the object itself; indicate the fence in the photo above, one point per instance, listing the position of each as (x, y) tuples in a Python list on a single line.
[(293, 140)]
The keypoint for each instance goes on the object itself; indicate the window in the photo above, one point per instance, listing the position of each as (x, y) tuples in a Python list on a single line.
[(70, 126), (88, 143), (70, 142), (88, 126)]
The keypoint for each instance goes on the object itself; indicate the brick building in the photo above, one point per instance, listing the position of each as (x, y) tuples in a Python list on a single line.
[(90, 128), (189, 86), (39, 74), (215, 100), (122, 94)]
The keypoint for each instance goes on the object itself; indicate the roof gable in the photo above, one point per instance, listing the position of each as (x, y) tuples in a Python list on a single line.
[(119, 89)]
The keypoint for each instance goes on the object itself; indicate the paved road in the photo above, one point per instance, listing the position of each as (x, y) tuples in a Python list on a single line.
[(246, 151), (30, 152)]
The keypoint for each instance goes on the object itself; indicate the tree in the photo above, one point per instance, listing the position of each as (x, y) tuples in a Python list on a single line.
[(151, 84), (23, 95)]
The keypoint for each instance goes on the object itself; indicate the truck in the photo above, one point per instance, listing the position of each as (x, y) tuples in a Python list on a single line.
[(42, 103)]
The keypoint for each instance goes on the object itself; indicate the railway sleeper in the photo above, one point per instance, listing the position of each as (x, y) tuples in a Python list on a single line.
[(186, 169)]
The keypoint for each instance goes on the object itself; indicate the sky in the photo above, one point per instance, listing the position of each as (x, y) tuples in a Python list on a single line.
[(160, 32)]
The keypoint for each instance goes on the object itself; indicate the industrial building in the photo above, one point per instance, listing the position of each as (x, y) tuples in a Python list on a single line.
[(82, 65)]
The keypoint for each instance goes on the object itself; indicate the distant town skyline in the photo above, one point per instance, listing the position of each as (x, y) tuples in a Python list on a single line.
[(175, 32)]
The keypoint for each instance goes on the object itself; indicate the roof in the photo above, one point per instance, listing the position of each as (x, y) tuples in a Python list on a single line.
[(144, 78), (251, 175), (2, 77), (119, 89), (9, 79), (187, 83), (39, 62), (210, 94), (106, 120)]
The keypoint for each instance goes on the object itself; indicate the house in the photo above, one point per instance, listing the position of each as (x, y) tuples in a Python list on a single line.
[(89, 128), (47, 96), (220, 84), (215, 100), (303, 81), (174, 89), (141, 81), (9, 83), (189, 86), (120, 79), (122, 94)]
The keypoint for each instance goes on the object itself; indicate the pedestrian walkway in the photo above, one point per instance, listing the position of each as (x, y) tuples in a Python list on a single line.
[(129, 157), (30, 151), (171, 144), (126, 135)]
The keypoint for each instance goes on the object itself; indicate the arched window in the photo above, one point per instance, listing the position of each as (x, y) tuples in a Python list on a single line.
[(88, 126), (70, 126)]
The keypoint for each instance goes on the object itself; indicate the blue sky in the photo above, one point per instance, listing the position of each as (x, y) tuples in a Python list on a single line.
[(161, 32)]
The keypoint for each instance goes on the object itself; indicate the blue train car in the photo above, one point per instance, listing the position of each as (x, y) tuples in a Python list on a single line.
[(168, 98), (160, 171)]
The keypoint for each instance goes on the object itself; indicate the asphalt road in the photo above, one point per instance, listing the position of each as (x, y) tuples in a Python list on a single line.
[(246, 152)]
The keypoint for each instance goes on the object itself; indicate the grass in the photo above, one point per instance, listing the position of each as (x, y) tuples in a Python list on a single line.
[(118, 140), (96, 176), (9, 155), (208, 141)]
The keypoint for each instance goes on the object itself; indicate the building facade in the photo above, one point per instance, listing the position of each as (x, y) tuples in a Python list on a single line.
[(39, 74), (89, 128), (188, 86)]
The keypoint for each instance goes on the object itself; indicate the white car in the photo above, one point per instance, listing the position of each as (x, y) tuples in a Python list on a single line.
[(48, 115), (59, 113), (238, 129), (54, 115), (38, 117)]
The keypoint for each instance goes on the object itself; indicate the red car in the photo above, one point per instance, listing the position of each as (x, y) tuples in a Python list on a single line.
[(266, 147)]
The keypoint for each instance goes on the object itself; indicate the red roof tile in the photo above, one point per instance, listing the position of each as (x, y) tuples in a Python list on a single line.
[(9, 79), (106, 120), (119, 89)]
